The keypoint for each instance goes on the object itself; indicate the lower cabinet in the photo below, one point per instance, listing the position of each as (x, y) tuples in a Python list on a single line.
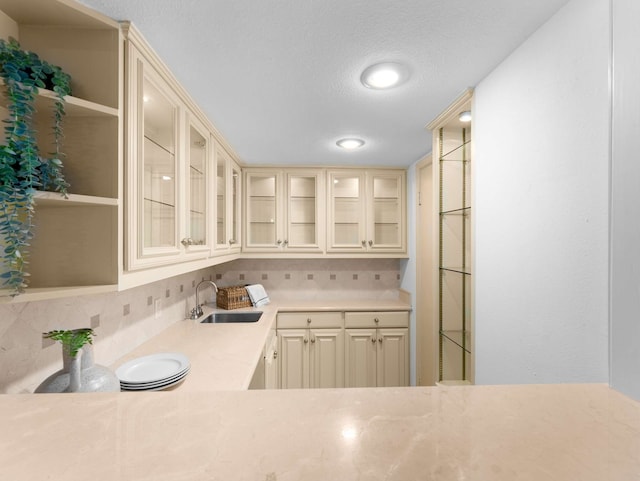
[(316, 351), (311, 349), (376, 349)]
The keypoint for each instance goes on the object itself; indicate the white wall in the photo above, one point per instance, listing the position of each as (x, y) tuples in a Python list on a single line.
[(625, 201), (541, 156)]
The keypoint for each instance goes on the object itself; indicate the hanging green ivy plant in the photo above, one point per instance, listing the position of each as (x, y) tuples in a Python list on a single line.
[(23, 170)]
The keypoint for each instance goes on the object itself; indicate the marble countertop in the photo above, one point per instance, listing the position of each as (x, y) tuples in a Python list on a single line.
[(224, 356), (479, 433)]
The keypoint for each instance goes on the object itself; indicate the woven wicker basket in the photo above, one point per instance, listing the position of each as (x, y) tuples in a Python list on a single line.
[(233, 297)]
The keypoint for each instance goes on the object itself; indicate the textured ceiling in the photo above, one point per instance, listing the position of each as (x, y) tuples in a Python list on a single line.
[(280, 79)]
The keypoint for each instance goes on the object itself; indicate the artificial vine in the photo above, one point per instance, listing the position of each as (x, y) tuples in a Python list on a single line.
[(23, 170)]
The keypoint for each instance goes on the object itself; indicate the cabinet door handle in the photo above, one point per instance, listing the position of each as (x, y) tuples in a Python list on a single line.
[(187, 241), (232, 241), (306, 340), (313, 338), (373, 340), (278, 242), (376, 320), (370, 243), (364, 243), (275, 354), (308, 320), (380, 340), (285, 242)]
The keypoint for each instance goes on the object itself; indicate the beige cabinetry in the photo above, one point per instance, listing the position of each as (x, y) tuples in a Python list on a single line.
[(311, 349), (366, 211), (76, 241), (284, 210), (169, 164), (228, 182), (376, 349)]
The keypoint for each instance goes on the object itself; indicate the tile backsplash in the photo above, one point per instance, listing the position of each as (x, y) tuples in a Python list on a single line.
[(124, 320)]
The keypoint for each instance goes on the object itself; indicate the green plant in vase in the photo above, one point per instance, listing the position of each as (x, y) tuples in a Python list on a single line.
[(23, 170), (73, 340)]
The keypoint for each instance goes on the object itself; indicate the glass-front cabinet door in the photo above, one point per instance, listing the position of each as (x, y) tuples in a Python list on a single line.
[(236, 211), (346, 215), (159, 167), (227, 204), (198, 164), (386, 211), (263, 212), (304, 229)]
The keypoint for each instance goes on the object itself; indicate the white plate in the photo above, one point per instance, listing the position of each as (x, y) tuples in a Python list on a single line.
[(155, 388), (153, 368), (141, 385)]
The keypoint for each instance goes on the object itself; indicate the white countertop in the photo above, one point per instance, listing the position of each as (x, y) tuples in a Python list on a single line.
[(479, 433)]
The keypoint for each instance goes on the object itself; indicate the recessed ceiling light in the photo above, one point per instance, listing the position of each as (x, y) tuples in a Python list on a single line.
[(350, 144), (465, 116), (384, 75)]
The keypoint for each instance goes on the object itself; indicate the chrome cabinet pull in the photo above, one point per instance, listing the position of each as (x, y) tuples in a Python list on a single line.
[(308, 320), (376, 320), (306, 340), (370, 243)]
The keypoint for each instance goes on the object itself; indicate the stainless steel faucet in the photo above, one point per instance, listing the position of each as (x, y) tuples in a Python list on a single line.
[(196, 312)]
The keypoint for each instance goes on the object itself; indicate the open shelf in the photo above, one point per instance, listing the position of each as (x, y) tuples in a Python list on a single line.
[(55, 198)]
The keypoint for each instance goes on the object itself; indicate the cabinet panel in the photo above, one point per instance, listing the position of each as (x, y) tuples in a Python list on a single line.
[(294, 358), (360, 358), (327, 358), (376, 319), (393, 357), (292, 320)]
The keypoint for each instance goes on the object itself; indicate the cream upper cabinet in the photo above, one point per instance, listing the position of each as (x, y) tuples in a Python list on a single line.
[(169, 167), (284, 211), (367, 211), (228, 179)]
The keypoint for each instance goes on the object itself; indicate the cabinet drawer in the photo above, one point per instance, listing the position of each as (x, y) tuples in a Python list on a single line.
[(296, 320), (376, 319)]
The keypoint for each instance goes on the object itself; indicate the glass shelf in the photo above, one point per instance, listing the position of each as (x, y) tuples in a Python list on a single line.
[(461, 211), (459, 338), (458, 270), (456, 150)]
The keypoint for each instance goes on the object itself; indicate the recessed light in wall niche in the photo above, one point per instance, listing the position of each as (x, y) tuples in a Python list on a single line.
[(350, 143), (465, 116), (384, 75)]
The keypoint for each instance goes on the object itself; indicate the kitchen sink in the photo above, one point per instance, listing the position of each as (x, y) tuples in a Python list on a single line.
[(225, 317)]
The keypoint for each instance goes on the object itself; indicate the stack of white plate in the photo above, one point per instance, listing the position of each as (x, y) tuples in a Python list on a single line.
[(153, 373)]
